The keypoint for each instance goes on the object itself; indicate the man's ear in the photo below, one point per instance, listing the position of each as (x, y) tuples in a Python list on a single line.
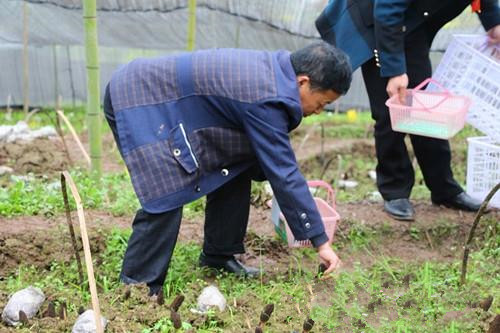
[(303, 79)]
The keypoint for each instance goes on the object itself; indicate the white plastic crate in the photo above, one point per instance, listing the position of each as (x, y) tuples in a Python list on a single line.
[(470, 67), (483, 168)]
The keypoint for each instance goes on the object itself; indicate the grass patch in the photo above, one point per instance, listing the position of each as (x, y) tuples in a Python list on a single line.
[(389, 295)]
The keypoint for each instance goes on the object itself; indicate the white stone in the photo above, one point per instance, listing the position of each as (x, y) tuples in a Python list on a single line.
[(372, 174), (28, 300), (375, 196), (85, 323), (5, 169), (347, 183), (211, 296)]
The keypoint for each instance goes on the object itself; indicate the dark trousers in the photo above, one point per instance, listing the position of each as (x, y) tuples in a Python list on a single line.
[(395, 174), (153, 238), (151, 245)]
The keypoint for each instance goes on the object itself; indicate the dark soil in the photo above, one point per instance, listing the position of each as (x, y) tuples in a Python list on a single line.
[(40, 156), (437, 234), (48, 156)]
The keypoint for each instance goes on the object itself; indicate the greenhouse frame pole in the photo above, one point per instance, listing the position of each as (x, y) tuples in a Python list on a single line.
[(93, 86), (26, 75), (191, 31)]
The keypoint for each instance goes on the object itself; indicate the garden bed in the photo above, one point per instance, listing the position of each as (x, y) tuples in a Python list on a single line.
[(396, 277)]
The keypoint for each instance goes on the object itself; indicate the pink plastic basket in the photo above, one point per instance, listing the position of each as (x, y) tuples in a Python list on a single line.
[(326, 209), (435, 114)]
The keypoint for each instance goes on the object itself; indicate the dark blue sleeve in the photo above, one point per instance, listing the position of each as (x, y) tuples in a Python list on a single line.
[(490, 14), (389, 35), (267, 125)]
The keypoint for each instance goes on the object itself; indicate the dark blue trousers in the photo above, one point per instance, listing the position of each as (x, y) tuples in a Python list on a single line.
[(153, 238), (395, 174)]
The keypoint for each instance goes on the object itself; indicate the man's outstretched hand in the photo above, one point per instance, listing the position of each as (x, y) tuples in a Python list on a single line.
[(328, 257)]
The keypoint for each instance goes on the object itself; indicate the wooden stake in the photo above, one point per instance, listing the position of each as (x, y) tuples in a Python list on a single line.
[(8, 116), (480, 213), (29, 115), (71, 229), (75, 136), (60, 131), (86, 251)]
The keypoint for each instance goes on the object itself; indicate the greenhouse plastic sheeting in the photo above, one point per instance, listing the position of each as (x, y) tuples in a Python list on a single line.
[(132, 28), (157, 24)]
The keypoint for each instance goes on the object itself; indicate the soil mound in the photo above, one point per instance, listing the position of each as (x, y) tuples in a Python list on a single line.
[(40, 156)]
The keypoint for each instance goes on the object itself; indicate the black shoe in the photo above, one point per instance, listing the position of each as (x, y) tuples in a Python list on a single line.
[(461, 201), (228, 264), (400, 209)]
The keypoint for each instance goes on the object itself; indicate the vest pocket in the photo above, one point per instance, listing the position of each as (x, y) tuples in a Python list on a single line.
[(181, 149)]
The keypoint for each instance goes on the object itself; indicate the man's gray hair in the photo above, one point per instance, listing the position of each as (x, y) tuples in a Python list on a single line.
[(328, 67)]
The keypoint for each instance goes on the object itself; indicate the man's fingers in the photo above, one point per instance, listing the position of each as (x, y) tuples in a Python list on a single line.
[(333, 266)]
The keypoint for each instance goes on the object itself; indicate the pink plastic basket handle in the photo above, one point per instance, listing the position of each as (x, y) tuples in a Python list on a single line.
[(487, 44), (429, 80), (327, 187), (446, 92)]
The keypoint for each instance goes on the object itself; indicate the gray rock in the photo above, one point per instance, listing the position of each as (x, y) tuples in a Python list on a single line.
[(211, 296), (375, 196), (85, 323), (28, 300)]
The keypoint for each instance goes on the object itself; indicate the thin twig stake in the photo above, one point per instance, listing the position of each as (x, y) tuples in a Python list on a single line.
[(86, 251), (71, 229), (473, 228), (75, 136)]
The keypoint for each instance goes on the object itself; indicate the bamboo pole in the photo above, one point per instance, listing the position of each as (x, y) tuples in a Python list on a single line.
[(26, 92), (75, 136), (86, 251), (191, 31), (93, 86), (56, 78)]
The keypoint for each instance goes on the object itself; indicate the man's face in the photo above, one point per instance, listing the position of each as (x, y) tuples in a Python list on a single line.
[(313, 101)]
